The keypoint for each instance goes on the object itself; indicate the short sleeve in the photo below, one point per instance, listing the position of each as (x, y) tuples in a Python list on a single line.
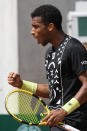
[(78, 58)]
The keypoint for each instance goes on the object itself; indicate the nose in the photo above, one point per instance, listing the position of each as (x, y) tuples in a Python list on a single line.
[(32, 32)]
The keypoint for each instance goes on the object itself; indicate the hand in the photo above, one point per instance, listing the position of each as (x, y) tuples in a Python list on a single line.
[(54, 117), (14, 80)]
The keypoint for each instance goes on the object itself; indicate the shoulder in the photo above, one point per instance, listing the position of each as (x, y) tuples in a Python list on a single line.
[(74, 49), (75, 45)]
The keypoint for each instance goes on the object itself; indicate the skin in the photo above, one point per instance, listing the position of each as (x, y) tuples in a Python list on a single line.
[(49, 34), (85, 45)]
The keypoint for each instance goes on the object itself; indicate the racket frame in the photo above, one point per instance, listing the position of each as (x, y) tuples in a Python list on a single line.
[(26, 92)]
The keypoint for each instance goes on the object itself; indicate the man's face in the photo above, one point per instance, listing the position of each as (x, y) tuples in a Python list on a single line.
[(40, 31)]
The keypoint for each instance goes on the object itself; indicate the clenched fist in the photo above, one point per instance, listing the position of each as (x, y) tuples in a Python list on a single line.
[(14, 80)]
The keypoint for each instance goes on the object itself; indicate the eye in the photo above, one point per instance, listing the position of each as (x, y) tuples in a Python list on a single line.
[(35, 26)]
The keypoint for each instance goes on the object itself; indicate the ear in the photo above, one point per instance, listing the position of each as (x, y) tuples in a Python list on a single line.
[(51, 27)]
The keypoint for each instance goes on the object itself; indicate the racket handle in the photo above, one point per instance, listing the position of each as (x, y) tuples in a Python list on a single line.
[(43, 123)]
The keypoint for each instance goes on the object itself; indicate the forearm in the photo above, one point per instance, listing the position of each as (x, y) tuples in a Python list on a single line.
[(77, 100), (38, 89), (81, 96), (42, 90), (15, 80)]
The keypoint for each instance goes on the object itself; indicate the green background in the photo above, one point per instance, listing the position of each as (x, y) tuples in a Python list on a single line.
[(82, 26), (7, 123)]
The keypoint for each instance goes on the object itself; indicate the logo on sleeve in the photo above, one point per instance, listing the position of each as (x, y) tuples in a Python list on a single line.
[(84, 62)]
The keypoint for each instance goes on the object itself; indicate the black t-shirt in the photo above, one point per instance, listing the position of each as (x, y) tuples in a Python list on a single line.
[(63, 66)]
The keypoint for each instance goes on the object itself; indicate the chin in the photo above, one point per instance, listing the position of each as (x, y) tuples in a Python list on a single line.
[(43, 43)]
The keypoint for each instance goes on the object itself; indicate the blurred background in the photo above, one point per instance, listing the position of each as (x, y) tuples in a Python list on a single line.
[(19, 51)]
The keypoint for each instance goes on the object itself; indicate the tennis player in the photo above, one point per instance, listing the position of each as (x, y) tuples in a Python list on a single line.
[(66, 67)]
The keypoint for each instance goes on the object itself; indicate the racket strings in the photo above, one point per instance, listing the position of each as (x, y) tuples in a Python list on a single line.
[(25, 107)]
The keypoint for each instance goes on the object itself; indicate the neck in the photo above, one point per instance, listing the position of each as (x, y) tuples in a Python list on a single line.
[(57, 38)]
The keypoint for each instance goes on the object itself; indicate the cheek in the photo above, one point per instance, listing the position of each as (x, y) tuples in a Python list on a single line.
[(39, 35), (43, 34)]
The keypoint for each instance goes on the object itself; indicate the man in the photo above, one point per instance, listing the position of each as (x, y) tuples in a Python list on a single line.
[(66, 66)]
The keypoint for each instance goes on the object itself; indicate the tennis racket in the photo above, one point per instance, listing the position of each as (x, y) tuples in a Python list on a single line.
[(26, 107)]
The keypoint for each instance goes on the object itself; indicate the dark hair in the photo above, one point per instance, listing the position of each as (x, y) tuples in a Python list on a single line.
[(49, 14)]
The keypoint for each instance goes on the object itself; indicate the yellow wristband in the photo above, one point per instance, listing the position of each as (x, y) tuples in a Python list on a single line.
[(29, 86), (71, 105)]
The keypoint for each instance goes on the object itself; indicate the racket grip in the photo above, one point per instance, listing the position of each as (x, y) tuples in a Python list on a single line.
[(43, 123)]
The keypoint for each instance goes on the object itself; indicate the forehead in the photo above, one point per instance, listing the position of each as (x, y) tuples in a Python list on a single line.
[(37, 20)]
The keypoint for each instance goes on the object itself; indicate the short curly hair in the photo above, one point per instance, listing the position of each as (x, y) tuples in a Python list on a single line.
[(49, 14)]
